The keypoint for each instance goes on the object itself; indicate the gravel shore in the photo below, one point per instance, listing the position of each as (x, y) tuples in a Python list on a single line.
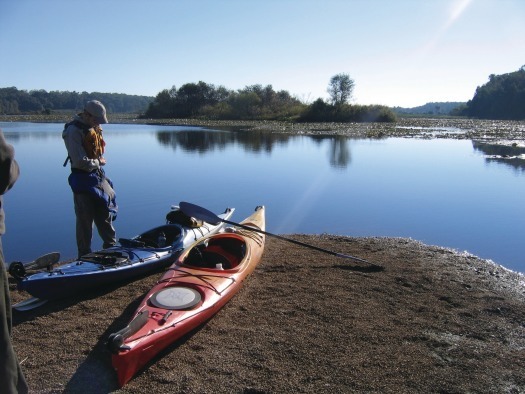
[(432, 320)]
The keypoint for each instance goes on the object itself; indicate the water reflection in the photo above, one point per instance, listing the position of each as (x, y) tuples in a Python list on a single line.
[(203, 141), (510, 155), (194, 139), (15, 136), (310, 184), (253, 141), (339, 153)]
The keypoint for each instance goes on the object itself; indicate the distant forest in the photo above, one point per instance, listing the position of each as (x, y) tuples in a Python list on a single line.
[(437, 108), (503, 97), (14, 101)]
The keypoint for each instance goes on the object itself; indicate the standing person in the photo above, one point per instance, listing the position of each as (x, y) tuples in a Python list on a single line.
[(93, 194), (12, 379)]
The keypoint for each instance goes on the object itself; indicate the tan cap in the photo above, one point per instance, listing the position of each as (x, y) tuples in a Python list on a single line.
[(97, 110)]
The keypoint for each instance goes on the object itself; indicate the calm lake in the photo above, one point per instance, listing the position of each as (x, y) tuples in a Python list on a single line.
[(443, 192)]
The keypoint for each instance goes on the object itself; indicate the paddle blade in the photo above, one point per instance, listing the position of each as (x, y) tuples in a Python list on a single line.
[(200, 213)]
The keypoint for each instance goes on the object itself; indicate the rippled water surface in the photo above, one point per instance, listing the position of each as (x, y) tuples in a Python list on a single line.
[(463, 194)]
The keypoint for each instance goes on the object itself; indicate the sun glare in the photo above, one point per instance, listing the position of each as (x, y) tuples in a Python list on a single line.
[(306, 202), (458, 7)]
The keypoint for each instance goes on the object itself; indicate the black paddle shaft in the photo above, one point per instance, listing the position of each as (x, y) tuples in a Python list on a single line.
[(208, 216)]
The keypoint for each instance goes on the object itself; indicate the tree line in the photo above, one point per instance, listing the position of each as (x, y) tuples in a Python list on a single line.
[(257, 102), (502, 97), (14, 101), (206, 101), (203, 100)]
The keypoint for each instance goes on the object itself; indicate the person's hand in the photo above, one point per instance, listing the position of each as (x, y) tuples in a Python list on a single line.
[(102, 161)]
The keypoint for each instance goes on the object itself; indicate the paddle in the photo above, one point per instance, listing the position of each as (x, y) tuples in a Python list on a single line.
[(208, 216)]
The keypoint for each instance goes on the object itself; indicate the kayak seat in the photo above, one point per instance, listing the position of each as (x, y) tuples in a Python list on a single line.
[(195, 258), (106, 258), (209, 256), (229, 252), (151, 237), (212, 258), (231, 249), (201, 257)]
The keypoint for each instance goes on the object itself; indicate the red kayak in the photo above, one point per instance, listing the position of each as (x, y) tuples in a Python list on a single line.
[(200, 282)]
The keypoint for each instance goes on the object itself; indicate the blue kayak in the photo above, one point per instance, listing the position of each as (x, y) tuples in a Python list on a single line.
[(152, 250)]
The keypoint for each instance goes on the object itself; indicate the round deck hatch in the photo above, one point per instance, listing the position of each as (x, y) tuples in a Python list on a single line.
[(175, 298)]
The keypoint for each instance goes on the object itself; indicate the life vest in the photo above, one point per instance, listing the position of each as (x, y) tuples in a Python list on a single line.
[(93, 141)]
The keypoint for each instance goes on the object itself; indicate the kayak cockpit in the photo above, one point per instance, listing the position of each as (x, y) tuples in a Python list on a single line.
[(159, 237), (105, 258), (220, 252)]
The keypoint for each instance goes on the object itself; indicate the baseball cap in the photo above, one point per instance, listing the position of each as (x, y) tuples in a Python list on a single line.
[(97, 110)]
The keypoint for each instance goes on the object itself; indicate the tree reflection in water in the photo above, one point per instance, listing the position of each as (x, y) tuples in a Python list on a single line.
[(511, 155), (253, 141)]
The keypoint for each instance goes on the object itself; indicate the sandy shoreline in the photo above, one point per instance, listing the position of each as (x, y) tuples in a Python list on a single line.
[(433, 320)]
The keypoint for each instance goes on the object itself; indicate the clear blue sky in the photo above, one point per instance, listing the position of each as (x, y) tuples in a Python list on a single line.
[(399, 52)]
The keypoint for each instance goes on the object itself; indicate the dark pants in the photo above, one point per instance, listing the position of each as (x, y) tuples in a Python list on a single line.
[(12, 379), (88, 210)]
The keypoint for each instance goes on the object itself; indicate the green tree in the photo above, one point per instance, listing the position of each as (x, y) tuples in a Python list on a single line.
[(245, 105), (191, 97), (340, 89), (318, 111), (162, 106), (503, 97)]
